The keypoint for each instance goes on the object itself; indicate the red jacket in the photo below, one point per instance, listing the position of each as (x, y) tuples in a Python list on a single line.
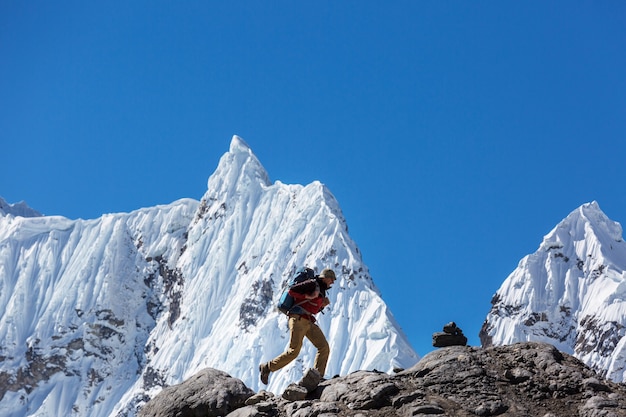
[(299, 293), (312, 306)]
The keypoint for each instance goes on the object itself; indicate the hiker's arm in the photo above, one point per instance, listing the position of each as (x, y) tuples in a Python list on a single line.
[(308, 288)]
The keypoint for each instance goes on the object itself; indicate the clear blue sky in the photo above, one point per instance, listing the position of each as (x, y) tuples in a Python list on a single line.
[(455, 135)]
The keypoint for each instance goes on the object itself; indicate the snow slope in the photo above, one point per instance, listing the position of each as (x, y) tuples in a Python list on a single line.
[(571, 292), (96, 316)]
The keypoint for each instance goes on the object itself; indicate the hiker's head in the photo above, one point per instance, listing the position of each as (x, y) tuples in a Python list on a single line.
[(328, 276)]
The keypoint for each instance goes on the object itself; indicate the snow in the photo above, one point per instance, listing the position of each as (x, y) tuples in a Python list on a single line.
[(18, 209), (570, 293), (116, 307)]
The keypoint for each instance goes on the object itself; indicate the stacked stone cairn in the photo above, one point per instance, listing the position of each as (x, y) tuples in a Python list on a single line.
[(451, 336)]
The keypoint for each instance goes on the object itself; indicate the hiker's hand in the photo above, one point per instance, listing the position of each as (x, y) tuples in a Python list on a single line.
[(325, 302)]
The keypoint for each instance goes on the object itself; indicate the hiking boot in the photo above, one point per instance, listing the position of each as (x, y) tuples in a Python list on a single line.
[(264, 370)]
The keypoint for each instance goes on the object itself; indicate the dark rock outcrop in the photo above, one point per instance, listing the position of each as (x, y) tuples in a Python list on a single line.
[(209, 393), (452, 335), (525, 380)]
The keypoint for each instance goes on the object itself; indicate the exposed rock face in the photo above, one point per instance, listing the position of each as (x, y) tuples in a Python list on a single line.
[(525, 379), (209, 393)]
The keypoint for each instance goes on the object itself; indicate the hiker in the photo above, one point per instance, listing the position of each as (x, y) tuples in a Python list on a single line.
[(310, 297)]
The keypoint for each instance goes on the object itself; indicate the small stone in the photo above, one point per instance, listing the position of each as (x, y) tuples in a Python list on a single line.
[(427, 409), (310, 380), (295, 392), (595, 385), (260, 397)]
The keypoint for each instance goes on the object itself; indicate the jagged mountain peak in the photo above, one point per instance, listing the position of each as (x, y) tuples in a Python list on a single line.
[(585, 222), (238, 171), (97, 316), (266, 231), (18, 209), (571, 293), (588, 234), (237, 144)]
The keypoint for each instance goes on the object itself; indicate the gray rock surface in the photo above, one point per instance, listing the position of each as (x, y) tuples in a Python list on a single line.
[(310, 380), (209, 393), (295, 392), (521, 380)]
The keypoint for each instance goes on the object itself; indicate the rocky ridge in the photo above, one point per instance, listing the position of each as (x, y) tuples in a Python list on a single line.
[(524, 379)]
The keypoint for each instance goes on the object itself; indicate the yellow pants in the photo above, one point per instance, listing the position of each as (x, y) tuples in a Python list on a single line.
[(299, 327)]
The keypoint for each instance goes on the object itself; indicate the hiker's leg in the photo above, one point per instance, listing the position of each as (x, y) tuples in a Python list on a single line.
[(316, 336), (298, 327)]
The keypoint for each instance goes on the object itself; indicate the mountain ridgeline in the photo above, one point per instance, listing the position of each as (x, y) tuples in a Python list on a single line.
[(570, 293), (97, 316)]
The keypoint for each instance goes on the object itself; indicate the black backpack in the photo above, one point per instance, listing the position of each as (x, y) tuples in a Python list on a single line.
[(286, 302)]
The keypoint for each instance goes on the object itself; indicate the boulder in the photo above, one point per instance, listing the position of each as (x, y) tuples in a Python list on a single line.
[(310, 380), (295, 392), (209, 393)]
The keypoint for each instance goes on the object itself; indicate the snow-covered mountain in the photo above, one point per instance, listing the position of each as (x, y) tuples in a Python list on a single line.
[(571, 293), (18, 209), (97, 315)]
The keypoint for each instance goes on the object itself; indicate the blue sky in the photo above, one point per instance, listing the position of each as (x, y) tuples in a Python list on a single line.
[(454, 135)]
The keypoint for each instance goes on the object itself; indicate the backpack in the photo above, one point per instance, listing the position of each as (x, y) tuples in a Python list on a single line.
[(286, 301)]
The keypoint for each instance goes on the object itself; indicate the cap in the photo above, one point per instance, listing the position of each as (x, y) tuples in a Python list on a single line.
[(328, 273)]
